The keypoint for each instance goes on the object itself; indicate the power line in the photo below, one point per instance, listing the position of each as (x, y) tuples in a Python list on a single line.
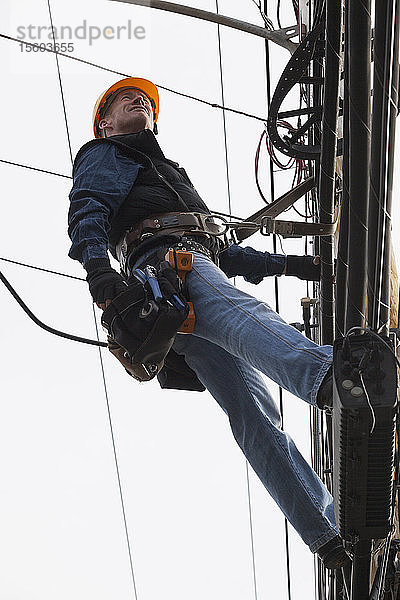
[(253, 559), (9, 162), (272, 190), (230, 215), (100, 356), (116, 462), (21, 264), (161, 87), (57, 332), (223, 115), (61, 87)]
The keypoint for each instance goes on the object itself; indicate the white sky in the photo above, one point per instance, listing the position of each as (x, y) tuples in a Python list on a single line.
[(183, 477)]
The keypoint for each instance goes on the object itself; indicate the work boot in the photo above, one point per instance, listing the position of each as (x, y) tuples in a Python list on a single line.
[(333, 554), (325, 392)]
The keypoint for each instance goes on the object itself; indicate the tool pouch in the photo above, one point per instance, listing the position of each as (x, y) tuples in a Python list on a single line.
[(141, 329), (177, 375)]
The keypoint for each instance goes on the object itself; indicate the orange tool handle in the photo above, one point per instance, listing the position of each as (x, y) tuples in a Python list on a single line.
[(188, 324), (184, 261), (183, 264)]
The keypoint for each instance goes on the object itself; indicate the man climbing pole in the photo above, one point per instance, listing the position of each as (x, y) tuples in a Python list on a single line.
[(129, 198)]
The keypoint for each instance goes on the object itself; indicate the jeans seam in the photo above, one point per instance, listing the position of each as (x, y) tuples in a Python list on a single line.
[(258, 321), (295, 470), (318, 380)]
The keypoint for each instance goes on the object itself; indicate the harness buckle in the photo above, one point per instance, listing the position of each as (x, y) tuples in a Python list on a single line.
[(209, 226)]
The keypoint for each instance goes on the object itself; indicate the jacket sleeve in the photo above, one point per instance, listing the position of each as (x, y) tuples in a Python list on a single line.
[(103, 178), (250, 263)]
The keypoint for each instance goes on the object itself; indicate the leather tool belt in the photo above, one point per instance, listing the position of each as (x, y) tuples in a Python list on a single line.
[(165, 224), (191, 245)]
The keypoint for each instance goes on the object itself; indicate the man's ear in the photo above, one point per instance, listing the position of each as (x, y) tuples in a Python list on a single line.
[(103, 124)]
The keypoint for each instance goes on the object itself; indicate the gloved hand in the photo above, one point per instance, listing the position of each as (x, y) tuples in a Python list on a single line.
[(104, 282), (252, 264), (303, 267)]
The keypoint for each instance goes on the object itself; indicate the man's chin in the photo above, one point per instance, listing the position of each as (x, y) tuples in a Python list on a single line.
[(132, 127), (139, 123)]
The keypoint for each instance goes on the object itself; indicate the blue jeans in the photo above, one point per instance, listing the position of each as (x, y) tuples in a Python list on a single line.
[(235, 335)]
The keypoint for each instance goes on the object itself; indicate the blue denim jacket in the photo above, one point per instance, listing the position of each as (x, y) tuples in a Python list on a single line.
[(102, 181)]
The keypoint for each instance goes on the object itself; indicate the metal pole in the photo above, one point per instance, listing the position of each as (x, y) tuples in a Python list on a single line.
[(393, 95), (358, 81), (328, 161), (384, 112), (343, 250), (361, 570)]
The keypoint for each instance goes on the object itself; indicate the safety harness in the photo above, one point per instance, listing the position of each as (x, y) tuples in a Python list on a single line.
[(200, 229), (143, 321)]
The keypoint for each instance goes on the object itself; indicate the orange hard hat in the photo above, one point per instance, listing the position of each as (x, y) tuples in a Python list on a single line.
[(105, 99)]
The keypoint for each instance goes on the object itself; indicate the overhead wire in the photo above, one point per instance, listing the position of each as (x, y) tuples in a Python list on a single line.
[(61, 86), (278, 13), (160, 86), (33, 317), (9, 162), (276, 290), (219, 213), (21, 264), (52, 330), (121, 495), (230, 212), (127, 537), (267, 21)]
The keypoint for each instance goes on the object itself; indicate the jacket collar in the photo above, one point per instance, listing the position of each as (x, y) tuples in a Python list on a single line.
[(144, 141)]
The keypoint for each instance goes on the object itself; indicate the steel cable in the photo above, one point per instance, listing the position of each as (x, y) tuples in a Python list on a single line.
[(68, 336), (100, 356), (9, 162), (161, 87), (230, 212), (272, 190)]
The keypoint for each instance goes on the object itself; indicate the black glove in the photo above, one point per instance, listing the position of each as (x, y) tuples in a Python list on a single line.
[(303, 267), (252, 264), (104, 282)]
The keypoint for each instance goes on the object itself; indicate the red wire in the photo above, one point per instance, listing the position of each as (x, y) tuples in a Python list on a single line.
[(300, 165)]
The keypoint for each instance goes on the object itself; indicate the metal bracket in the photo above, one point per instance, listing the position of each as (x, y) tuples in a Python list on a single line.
[(278, 36), (294, 71), (306, 304), (294, 228), (209, 226)]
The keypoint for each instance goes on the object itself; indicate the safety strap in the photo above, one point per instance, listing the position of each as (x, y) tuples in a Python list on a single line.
[(264, 220)]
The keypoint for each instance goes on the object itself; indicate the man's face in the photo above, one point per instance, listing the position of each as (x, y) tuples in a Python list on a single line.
[(130, 111)]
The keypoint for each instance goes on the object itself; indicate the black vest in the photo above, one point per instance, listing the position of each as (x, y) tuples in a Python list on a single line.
[(161, 185)]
